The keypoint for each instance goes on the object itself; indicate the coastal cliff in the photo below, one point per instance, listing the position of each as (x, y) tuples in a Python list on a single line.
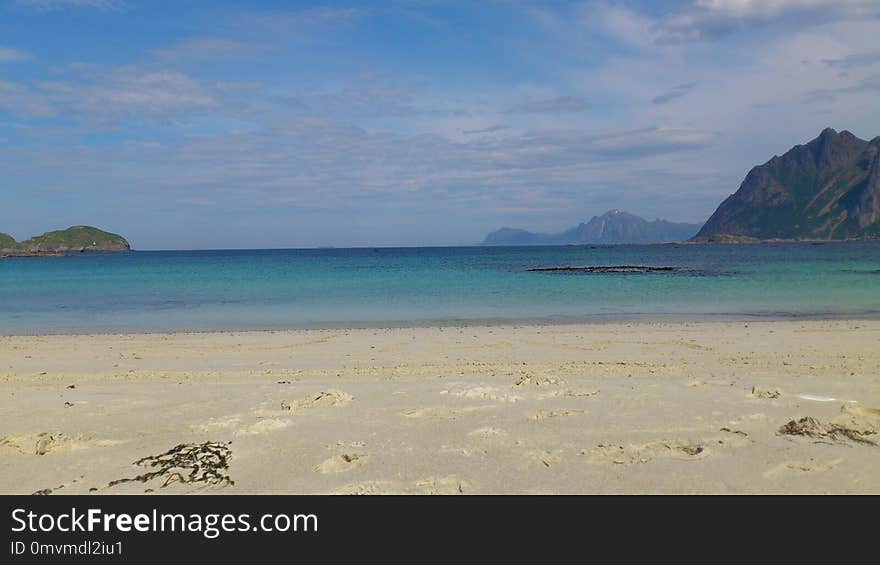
[(826, 189)]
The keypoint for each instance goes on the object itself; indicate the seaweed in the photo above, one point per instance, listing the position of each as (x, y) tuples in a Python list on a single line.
[(810, 427), (186, 463)]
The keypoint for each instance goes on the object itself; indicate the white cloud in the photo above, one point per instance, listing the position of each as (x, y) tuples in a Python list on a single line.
[(771, 8), (10, 55)]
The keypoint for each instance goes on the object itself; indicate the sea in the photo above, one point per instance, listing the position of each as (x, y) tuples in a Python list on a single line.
[(157, 291)]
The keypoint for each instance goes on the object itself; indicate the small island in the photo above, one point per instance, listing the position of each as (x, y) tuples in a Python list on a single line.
[(76, 239)]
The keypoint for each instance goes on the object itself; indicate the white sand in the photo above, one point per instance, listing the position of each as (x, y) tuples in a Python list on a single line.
[(601, 408)]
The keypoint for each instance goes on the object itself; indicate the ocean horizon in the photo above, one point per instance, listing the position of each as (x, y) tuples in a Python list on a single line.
[(273, 289)]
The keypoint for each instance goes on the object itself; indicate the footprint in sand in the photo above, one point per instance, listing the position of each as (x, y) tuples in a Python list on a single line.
[(341, 463), (487, 431), (483, 393), (449, 484), (217, 424), (370, 488), (543, 414), (234, 424), (47, 491), (731, 438), (446, 412), (48, 442), (765, 393), (801, 467), (321, 399), (567, 393), (680, 449), (263, 427), (37, 444), (531, 380)]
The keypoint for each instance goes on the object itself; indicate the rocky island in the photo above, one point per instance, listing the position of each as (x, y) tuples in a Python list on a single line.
[(77, 239)]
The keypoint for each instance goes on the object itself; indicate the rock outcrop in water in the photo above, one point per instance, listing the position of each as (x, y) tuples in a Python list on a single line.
[(826, 189), (78, 239), (607, 269), (611, 227)]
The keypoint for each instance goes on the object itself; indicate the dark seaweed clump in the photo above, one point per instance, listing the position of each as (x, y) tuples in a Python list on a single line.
[(186, 463)]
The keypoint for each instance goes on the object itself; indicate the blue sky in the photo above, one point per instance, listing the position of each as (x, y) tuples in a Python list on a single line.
[(295, 124)]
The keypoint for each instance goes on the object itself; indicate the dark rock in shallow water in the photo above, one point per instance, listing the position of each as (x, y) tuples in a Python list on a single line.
[(606, 269)]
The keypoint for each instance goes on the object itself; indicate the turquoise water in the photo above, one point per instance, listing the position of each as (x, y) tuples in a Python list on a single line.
[(211, 290)]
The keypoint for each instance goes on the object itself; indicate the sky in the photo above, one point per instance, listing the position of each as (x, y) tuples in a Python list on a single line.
[(218, 124)]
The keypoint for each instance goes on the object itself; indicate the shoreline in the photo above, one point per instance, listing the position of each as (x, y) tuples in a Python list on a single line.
[(576, 408), (598, 320)]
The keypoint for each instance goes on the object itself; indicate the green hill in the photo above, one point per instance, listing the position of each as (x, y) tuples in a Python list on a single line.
[(7, 241), (77, 239)]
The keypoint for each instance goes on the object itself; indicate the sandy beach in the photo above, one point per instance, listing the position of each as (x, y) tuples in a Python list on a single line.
[(683, 407)]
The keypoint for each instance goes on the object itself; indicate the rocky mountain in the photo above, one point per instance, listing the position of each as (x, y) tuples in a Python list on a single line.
[(77, 239), (826, 189), (613, 226)]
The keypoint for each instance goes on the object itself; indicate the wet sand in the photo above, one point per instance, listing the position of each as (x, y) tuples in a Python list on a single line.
[(680, 407)]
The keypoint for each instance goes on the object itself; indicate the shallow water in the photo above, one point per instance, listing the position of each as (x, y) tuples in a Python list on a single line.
[(230, 290)]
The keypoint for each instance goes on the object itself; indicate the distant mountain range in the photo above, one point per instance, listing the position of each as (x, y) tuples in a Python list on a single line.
[(826, 189), (77, 239), (613, 226)]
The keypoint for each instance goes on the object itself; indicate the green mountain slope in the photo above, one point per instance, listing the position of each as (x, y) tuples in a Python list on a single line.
[(828, 188), (7, 241)]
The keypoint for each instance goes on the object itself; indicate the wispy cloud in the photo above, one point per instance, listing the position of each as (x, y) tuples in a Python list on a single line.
[(58, 4), (210, 49), (853, 61), (11, 55), (312, 162), (557, 105), (869, 84), (674, 93), (101, 94), (491, 129), (709, 20)]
